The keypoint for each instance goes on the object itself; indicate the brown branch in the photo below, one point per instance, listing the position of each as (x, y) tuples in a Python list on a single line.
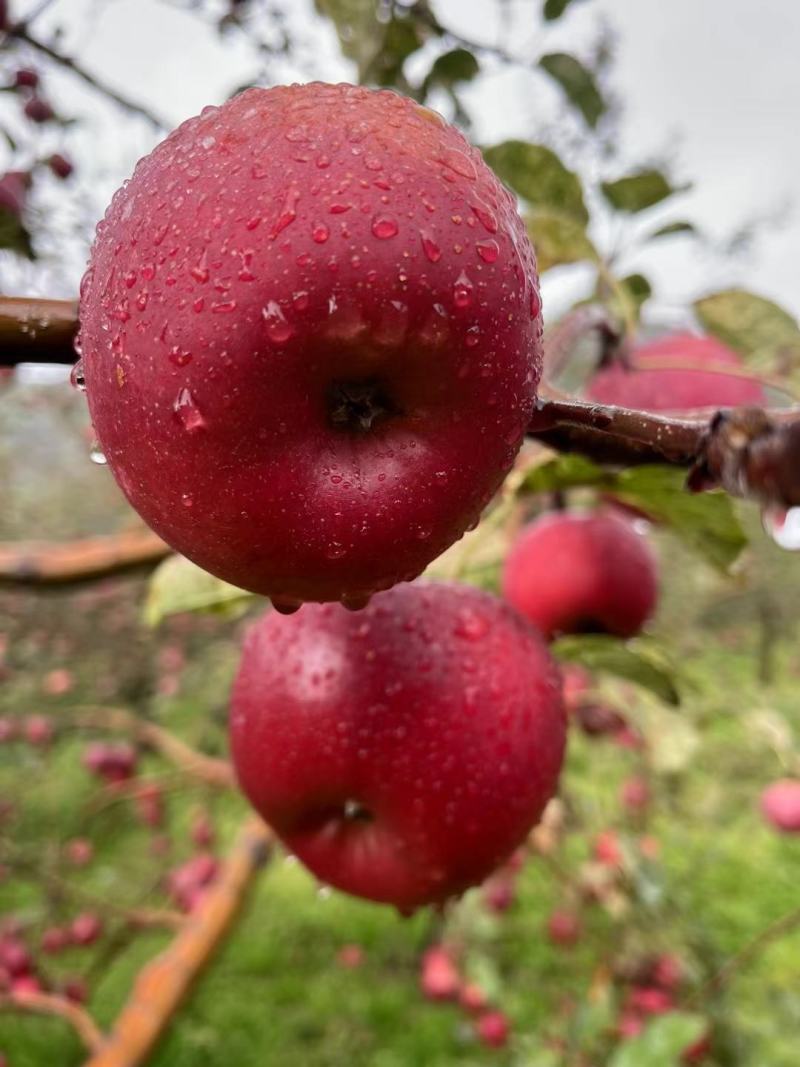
[(164, 983), (21, 32), (54, 562), (34, 330), (52, 1004), (209, 769)]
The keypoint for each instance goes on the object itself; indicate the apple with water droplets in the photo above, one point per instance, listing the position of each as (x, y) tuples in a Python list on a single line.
[(403, 752), (582, 572), (311, 339)]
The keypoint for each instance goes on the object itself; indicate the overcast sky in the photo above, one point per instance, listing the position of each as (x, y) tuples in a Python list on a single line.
[(714, 85)]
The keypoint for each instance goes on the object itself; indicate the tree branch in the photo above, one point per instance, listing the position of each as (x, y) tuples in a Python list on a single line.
[(51, 1004), (164, 983), (34, 330), (21, 32), (56, 562)]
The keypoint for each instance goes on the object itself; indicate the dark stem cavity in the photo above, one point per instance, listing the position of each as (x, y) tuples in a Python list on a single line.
[(359, 406)]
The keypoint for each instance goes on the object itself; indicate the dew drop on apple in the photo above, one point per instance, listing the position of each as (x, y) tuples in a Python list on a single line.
[(186, 500), (335, 550), (320, 233), (187, 411), (278, 329), (76, 377), (432, 251), (384, 227), (97, 456), (536, 302), (462, 291), (488, 250), (485, 216), (473, 337), (471, 625)]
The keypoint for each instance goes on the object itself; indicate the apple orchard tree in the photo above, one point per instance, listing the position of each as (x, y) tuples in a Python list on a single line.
[(310, 337)]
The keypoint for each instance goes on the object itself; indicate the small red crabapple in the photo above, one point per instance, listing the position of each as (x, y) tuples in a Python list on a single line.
[(439, 977), (493, 1029)]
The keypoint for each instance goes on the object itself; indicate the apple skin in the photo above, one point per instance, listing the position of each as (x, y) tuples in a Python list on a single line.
[(780, 805), (582, 573), (402, 753), (647, 387), (311, 339)]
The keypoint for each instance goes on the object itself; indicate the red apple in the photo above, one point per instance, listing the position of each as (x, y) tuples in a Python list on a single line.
[(26, 78), (669, 375), (649, 1000), (472, 998), (780, 805), (635, 794), (492, 1029), (564, 928), (60, 166), (350, 957), (86, 928), (15, 959), (499, 893), (439, 978), (38, 110), (38, 730), (79, 851), (311, 339), (55, 939), (582, 573), (404, 752), (607, 849)]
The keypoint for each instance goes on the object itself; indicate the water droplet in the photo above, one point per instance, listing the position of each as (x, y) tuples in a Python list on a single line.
[(384, 227), (323, 162), (488, 250), (335, 550), (297, 135), (471, 625), (340, 209), (186, 500), (536, 302), (187, 411), (141, 300), (300, 300), (285, 607), (459, 162), (179, 356), (288, 212), (462, 291), (320, 232), (278, 329), (76, 377), (783, 526), (200, 272), (97, 456), (130, 279), (485, 217), (473, 337), (430, 247), (223, 307)]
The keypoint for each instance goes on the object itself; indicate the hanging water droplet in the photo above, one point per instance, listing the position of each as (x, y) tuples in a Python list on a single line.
[(432, 251), (384, 227), (187, 411), (536, 302), (278, 329), (76, 377), (96, 455), (485, 217), (462, 291), (488, 250), (288, 212)]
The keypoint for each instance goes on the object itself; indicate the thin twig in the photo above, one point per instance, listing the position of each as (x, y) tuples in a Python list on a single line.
[(58, 563), (21, 33), (51, 1004)]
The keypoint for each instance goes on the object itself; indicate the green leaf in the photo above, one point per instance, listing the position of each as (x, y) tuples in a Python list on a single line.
[(379, 50), (178, 585), (638, 191), (673, 229), (538, 176), (751, 324), (558, 239), (554, 9), (707, 522), (13, 235), (662, 1043), (624, 297), (636, 661), (355, 24), (567, 471), (460, 65), (577, 82)]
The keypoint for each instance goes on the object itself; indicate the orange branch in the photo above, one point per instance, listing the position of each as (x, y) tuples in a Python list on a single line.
[(51, 1004), (164, 983), (53, 562)]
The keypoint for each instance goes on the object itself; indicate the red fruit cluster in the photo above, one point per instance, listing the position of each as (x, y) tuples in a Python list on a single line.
[(330, 285), (441, 980), (780, 805), (680, 372), (188, 884), (402, 752), (582, 573)]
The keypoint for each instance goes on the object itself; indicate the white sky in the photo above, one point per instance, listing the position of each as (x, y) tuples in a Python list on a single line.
[(712, 85)]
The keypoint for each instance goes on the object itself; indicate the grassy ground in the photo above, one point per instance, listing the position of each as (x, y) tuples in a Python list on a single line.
[(276, 995)]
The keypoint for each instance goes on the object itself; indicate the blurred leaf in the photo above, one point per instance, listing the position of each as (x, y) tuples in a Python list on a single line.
[(558, 239), (625, 297), (401, 38), (662, 1043), (707, 522), (636, 661), (577, 82), (673, 228), (178, 585), (637, 192), (554, 9), (13, 235), (460, 65), (378, 49), (356, 26), (751, 324), (567, 471), (538, 176)]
